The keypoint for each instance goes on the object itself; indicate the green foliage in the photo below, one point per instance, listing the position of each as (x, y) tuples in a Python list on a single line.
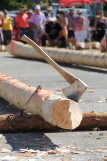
[(15, 4)]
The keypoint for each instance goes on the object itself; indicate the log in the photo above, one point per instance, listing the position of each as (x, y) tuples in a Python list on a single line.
[(54, 109), (93, 45), (80, 57), (11, 123), (93, 120)]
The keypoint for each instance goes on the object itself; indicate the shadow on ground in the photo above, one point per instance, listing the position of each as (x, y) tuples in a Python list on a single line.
[(5, 108), (31, 140), (73, 66), (36, 141)]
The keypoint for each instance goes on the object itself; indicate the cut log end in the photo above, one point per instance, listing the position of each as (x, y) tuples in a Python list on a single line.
[(67, 114)]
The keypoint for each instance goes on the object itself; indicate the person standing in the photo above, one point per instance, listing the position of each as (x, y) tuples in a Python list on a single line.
[(63, 21), (31, 34), (38, 21), (21, 23), (79, 27), (100, 26), (7, 28), (1, 33), (48, 13), (70, 16)]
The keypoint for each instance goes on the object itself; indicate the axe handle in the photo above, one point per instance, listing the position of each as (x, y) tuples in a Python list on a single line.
[(68, 77)]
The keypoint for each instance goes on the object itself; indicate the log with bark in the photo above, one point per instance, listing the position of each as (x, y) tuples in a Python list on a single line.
[(54, 109), (26, 123), (29, 123), (93, 120)]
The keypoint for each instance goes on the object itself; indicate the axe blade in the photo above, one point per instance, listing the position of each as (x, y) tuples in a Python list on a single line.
[(75, 90)]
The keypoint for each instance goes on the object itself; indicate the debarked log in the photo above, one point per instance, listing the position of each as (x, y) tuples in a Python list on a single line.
[(81, 57), (54, 109), (28, 123)]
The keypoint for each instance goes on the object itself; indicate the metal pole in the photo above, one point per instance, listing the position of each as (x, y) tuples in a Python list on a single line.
[(88, 28)]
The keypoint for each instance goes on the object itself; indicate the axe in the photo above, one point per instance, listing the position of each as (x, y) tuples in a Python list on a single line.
[(76, 88)]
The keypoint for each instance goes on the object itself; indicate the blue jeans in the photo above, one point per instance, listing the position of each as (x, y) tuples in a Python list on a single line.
[(71, 34), (37, 33), (24, 31)]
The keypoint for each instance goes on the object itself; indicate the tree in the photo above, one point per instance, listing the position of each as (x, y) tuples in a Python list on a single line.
[(15, 4)]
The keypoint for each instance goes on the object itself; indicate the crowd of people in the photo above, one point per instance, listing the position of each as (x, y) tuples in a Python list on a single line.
[(45, 31)]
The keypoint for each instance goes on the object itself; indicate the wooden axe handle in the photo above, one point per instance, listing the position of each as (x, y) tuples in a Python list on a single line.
[(68, 77)]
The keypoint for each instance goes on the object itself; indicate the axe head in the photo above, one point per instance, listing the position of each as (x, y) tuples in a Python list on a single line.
[(75, 90)]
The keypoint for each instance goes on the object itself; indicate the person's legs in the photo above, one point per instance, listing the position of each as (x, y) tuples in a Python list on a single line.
[(9, 36), (63, 42), (101, 34), (24, 31), (71, 34), (5, 37), (82, 36), (1, 36), (31, 35), (0, 40), (39, 35), (77, 36), (43, 40), (36, 35)]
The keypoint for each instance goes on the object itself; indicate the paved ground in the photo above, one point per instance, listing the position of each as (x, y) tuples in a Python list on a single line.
[(62, 145)]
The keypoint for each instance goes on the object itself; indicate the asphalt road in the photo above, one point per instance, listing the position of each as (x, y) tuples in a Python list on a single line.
[(66, 145)]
